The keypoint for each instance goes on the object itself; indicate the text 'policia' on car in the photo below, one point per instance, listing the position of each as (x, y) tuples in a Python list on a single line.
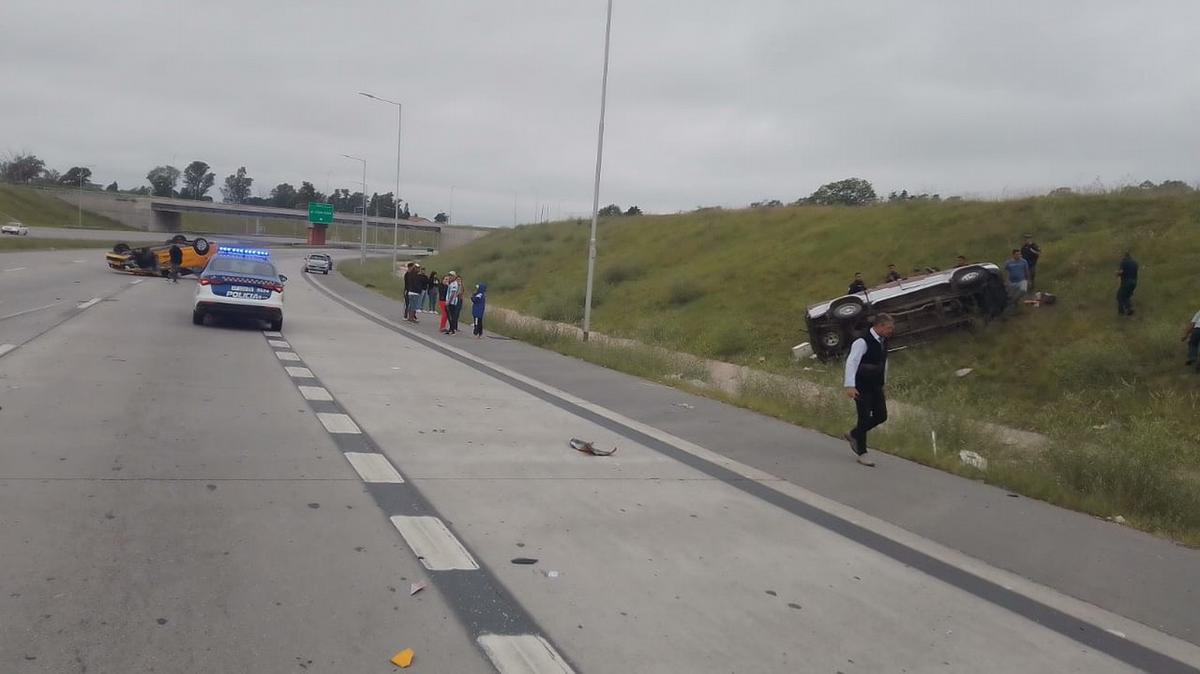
[(156, 260), (240, 282)]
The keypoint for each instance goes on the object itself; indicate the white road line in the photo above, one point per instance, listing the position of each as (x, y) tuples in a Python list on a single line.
[(29, 311), (338, 423), (16, 269), (79, 261), (433, 544), (279, 344), (522, 654), (315, 393), (5, 348), (374, 467), (136, 281), (268, 333), (90, 303), (286, 355), (300, 372)]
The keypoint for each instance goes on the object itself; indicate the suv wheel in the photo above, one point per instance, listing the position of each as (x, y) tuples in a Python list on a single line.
[(968, 277), (831, 339), (847, 308)]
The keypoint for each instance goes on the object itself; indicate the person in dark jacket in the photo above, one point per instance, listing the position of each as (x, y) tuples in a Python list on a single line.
[(1031, 252), (478, 305), (176, 254), (857, 285), (864, 380), (1128, 273), (412, 290), (893, 274), (431, 292)]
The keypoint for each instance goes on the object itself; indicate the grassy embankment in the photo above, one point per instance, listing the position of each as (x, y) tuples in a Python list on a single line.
[(40, 208), (337, 233), (20, 243), (1110, 392)]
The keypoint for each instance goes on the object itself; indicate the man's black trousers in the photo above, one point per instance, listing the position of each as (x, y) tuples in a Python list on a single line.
[(872, 411)]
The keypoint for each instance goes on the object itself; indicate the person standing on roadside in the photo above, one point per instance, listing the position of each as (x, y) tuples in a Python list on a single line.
[(865, 379), (1031, 252), (443, 287), (411, 292), (1192, 337), (1128, 273), (454, 302), (422, 290), (431, 292), (1018, 275), (176, 255), (478, 305)]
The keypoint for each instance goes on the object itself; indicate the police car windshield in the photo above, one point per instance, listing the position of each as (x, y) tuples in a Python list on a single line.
[(241, 265)]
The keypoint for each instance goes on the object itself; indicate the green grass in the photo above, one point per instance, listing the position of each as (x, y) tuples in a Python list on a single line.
[(1111, 393), (39, 207), (19, 243), (336, 233)]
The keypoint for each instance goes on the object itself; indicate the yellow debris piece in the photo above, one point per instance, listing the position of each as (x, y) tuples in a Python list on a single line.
[(403, 659)]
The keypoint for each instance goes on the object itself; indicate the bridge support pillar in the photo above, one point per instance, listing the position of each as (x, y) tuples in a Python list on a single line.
[(316, 235), (166, 221)]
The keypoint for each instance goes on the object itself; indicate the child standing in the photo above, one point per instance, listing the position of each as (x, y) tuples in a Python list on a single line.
[(478, 305)]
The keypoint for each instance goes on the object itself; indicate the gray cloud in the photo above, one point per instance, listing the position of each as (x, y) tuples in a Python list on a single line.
[(710, 102)]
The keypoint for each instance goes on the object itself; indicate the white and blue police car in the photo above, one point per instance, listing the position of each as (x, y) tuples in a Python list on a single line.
[(240, 282)]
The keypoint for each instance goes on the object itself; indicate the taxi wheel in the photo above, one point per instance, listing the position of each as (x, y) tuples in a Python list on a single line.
[(197, 318)]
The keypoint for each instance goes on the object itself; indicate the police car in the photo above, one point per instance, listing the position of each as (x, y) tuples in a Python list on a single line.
[(240, 282)]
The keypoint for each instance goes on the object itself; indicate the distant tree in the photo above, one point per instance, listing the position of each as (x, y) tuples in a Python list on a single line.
[(307, 194), (1147, 185), (21, 168), (49, 177), (197, 180), (237, 187), (283, 195), (162, 180), (112, 187), (633, 210), (767, 203), (1175, 186), (610, 211), (76, 175), (257, 201), (383, 205), (442, 218), (848, 192), (143, 191), (406, 214), (1061, 192)]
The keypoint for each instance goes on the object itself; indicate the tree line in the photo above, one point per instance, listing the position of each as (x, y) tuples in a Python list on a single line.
[(197, 180)]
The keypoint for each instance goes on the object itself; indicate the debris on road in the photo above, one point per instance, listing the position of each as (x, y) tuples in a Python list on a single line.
[(415, 588), (403, 659), (587, 448), (524, 560), (1119, 519), (972, 459), (686, 406), (962, 372)]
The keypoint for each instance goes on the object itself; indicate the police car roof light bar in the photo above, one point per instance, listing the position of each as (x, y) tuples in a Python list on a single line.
[(248, 252)]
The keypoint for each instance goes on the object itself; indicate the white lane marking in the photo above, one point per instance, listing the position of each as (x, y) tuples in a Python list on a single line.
[(136, 281), (522, 654), (29, 311), (5, 348), (90, 303), (286, 355), (300, 372), (16, 269), (1115, 632), (269, 333), (374, 467), (315, 393), (279, 344), (433, 543), (338, 423), (79, 261)]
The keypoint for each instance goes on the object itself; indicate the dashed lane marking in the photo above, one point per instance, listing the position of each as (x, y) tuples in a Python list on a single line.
[(287, 355), (5, 348), (15, 269), (338, 423), (136, 281), (433, 544), (90, 303), (29, 311), (374, 468), (299, 372), (522, 654), (279, 344), (315, 393), (270, 333)]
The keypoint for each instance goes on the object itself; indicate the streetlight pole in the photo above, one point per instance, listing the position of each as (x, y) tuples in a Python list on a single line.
[(396, 201), (362, 255), (591, 270)]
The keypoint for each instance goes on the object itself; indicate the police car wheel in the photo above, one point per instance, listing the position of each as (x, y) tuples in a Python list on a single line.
[(276, 326), (197, 318)]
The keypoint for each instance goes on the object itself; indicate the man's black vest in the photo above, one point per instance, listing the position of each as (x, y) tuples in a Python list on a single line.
[(873, 366)]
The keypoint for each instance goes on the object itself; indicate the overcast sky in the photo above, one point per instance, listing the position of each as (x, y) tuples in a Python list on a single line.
[(710, 102)]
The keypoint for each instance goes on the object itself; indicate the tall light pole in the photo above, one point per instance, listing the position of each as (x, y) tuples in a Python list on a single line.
[(362, 256), (396, 201), (591, 271)]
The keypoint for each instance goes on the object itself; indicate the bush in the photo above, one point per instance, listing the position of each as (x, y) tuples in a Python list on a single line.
[(680, 293), (729, 340), (622, 271)]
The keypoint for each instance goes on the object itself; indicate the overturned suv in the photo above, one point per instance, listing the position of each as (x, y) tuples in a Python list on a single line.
[(940, 300)]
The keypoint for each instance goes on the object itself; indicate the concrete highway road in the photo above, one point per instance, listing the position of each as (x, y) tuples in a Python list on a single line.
[(176, 498)]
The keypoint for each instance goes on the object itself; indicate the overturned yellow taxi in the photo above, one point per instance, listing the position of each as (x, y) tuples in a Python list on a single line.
[(156, 260)]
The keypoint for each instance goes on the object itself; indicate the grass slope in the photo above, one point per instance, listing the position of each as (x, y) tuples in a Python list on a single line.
[(1111, 392), (337, 233), (37, 207), (19, 243)]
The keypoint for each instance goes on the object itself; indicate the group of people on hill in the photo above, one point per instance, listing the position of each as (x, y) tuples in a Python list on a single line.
[(443, 295)]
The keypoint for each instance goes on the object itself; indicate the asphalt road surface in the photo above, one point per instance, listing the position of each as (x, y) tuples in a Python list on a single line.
[(177, 498)]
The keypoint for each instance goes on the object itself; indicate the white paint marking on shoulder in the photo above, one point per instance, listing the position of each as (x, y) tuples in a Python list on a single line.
[(315, 393), (279, 344), (90, 303), (522, 654), (29, 311), (433, 544), (79, 261), (15, 269), (299, 372), (338, 423), (374, 467), (135, 281), (287, 355), (272, 333), (5, 348)]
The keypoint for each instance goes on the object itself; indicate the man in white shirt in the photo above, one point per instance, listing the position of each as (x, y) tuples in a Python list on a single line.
[(864, 380), (1192, 337)]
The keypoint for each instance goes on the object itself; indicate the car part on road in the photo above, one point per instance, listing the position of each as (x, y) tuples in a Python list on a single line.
[(587, 448)]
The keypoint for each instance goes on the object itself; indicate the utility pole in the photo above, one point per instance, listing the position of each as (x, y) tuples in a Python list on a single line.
[(591, 270)]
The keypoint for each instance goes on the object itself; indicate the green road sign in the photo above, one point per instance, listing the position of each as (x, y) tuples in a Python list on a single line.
[(320, 214)]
